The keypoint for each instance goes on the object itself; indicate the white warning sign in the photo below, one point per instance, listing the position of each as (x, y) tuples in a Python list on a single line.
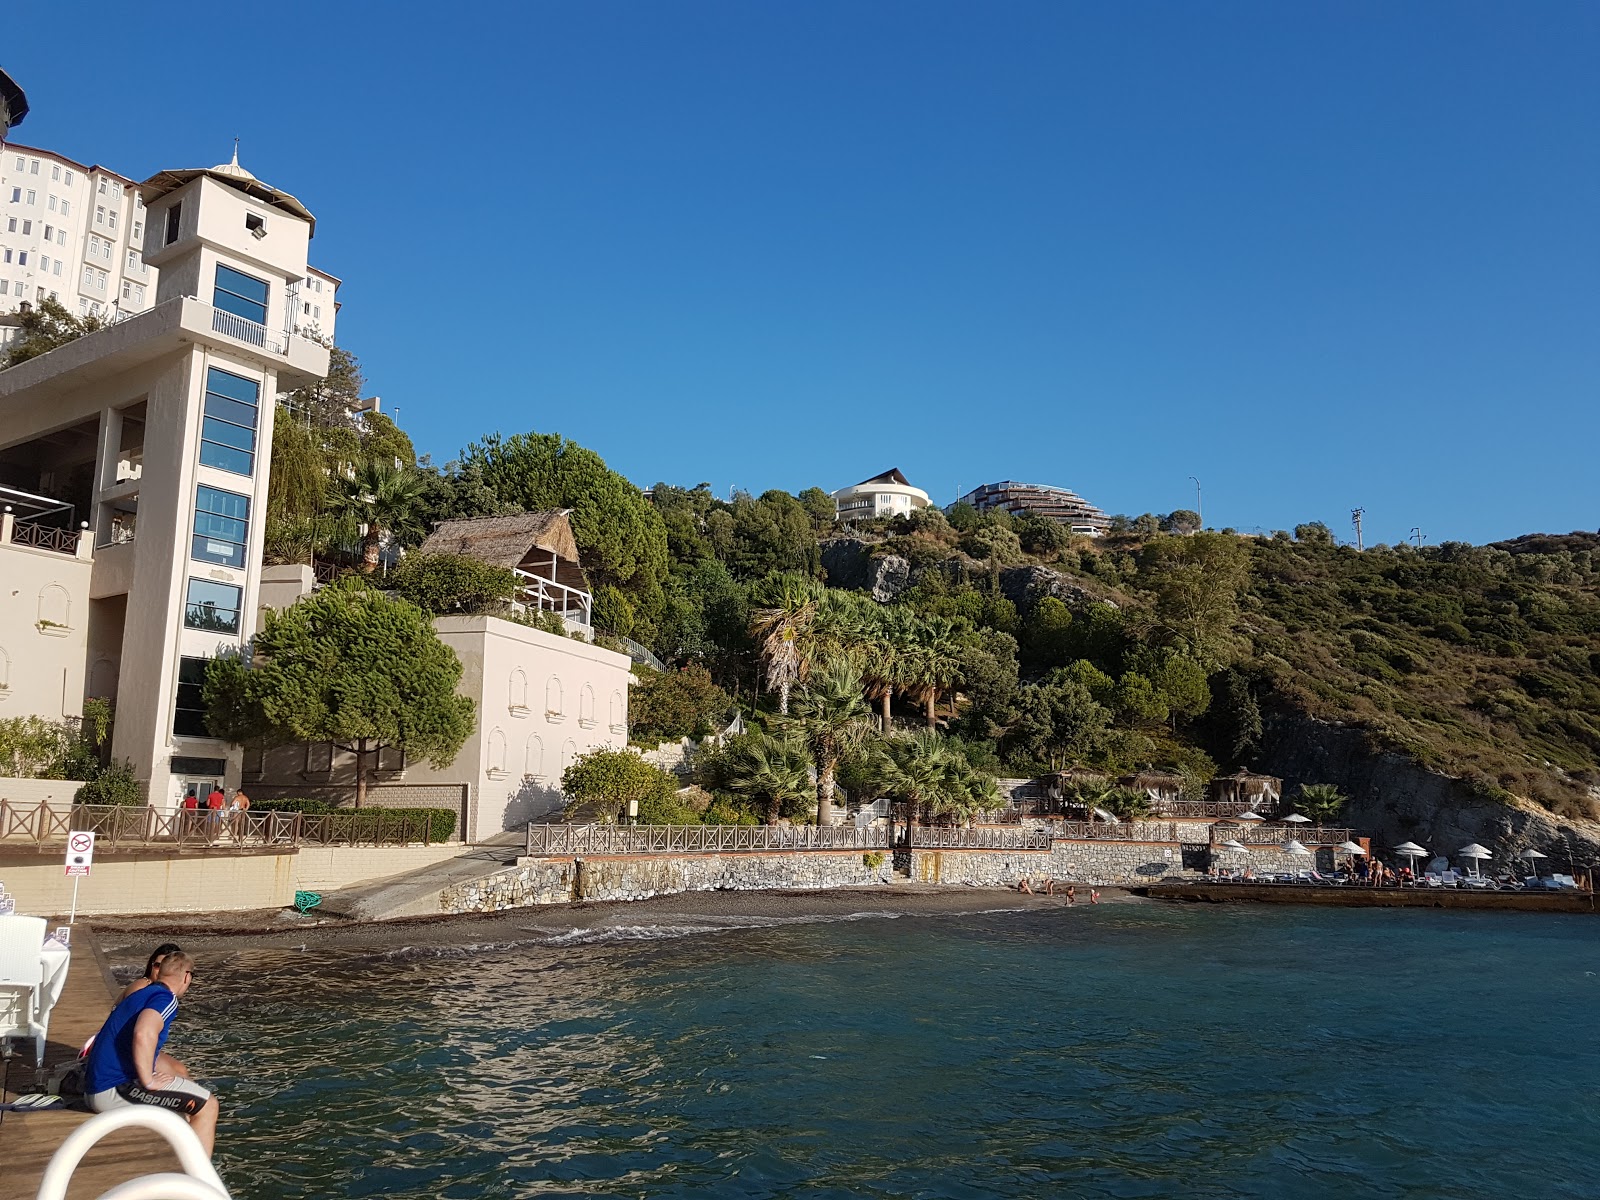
[(80, 852)]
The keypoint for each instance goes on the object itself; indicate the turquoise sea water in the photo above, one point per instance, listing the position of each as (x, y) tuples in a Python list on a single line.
[(1128, 1050)]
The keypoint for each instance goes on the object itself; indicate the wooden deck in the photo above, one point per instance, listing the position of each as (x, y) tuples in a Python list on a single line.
[(27, 1140)]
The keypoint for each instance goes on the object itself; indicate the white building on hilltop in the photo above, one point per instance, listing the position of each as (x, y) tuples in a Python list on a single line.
[(886, 495), (133, 468), (76, 234)]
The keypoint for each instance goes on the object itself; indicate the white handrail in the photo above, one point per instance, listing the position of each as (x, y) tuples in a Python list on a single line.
[(205, 1183), (167, 1186)]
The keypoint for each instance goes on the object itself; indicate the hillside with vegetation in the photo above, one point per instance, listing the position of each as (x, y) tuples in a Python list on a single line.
[(1028, 648)]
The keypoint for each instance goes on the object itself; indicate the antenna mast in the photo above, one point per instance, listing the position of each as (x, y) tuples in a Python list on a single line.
[(1355, 519)]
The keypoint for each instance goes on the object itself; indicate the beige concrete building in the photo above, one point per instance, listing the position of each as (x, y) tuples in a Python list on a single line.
[(542, 698), (134, 462), (75, 233), (888, 495)]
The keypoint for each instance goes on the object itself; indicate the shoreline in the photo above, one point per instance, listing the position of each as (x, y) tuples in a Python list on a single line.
[(280, 930)]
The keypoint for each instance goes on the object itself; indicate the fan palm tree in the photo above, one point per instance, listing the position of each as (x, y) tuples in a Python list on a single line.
[(932, 667), (832, 717), (1321, 801), (889, 644), (781, 629), (376, 501), (772, 773), (923, 770)]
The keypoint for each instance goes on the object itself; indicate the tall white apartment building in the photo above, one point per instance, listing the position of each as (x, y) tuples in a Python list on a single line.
[(75, 234), (71, 233)]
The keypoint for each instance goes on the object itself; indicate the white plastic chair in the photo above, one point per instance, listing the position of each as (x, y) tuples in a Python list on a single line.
[(21, 978)]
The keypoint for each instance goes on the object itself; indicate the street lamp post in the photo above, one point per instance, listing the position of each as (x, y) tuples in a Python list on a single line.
[(1199, 510)]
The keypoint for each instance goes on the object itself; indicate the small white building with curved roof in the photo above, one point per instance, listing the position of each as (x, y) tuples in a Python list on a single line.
[(886, 495)]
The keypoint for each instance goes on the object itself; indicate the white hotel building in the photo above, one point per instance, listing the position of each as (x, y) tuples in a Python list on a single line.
[(76, 234)]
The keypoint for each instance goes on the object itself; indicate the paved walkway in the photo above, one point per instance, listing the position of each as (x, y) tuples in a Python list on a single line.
[(27, 1140), (416, 893)]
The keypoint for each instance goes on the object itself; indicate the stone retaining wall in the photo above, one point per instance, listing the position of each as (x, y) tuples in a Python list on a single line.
[(535, 881)]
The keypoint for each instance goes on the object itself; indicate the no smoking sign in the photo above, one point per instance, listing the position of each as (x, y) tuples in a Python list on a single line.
[(80, 852)]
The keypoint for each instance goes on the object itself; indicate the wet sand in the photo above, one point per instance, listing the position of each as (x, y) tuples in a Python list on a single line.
[(127, 937)]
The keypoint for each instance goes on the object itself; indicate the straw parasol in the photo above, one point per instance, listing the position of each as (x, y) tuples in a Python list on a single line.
[(1294, 847), (1296, 819), (1410, 850), (1250, 816), (1351, 848)]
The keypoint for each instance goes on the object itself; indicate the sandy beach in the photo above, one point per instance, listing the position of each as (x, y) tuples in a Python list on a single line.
[(126, 938)]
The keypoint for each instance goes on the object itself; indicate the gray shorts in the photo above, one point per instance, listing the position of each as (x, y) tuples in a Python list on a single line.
[(180, 1096)]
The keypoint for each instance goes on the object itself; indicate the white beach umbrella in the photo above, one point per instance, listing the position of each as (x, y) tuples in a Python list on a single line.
[(1251, 816), (1412, 851), (1235, 844), (1297, 819), (1533, 857), (1294, 847), (1476, 853), (1351, 848)]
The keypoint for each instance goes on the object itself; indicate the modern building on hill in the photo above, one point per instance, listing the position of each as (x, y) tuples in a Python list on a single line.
[(886, 495), (1040, 500), (75, 233), (134, 460)]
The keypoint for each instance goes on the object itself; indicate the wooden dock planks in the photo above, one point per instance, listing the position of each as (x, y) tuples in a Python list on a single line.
[(27, 1140)]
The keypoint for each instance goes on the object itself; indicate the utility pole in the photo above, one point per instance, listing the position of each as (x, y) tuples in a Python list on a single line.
[(1355, 519), (1199, 509), (1416, 535)]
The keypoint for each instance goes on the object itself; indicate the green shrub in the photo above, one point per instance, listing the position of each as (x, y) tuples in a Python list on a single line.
[(369, 823), (452, 583), (113, 784)]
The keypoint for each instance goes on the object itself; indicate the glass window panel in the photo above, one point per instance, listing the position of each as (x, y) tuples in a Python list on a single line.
[(230, 410), (226, 383), (241, 284), (240, 307), (223, 504), (226, 458), (207, 549), (213, 606), (213, 430)]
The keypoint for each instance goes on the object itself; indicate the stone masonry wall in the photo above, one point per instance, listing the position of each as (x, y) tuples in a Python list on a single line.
[(535, 881)]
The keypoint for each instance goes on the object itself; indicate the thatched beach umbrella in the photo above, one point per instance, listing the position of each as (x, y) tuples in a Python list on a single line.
[(1410, 850), (1294, 847), (1296, 819), (1351, 848), (1251, 816)]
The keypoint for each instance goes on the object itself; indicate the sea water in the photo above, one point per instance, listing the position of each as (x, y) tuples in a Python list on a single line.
[(1124, 1050)]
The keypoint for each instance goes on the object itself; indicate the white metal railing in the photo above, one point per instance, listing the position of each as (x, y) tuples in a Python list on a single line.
[(245, 330), (199, 1180), (546, 595)]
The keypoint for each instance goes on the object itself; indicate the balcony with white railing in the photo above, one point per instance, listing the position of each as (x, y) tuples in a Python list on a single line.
[(245, 330), (535, 593)]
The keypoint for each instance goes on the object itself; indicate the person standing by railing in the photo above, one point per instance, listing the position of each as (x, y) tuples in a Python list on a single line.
[(236, 814)]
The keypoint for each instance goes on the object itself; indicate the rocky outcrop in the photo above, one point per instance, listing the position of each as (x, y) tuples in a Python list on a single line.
[(1026, 586), (1394, 799), (850, 563)]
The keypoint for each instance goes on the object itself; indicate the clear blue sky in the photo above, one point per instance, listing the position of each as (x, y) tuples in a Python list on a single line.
[(1316, 254)]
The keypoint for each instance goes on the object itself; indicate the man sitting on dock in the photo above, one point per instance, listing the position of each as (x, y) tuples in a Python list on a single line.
[(123, 1064)]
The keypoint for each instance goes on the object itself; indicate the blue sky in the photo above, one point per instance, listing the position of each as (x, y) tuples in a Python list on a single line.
[(1317, 255)]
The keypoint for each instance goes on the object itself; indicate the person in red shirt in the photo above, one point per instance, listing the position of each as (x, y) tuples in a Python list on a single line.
[(215, 803)]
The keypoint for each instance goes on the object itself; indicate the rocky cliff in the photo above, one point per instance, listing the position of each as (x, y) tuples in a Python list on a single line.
[(1395, 800)]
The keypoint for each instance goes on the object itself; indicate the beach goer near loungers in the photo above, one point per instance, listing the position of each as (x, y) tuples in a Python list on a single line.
[(1072, 894), (151, 968), (1024, 886), (124, 1066)]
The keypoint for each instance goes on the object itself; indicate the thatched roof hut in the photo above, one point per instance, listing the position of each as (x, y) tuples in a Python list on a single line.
[(1246, 787), (1158, 785), (540, 543)]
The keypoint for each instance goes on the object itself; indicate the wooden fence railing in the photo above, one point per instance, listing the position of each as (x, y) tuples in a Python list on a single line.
[(117, 826), (564, 840)]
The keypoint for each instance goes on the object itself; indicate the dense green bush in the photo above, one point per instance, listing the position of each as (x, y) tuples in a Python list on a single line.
[(370, 822)]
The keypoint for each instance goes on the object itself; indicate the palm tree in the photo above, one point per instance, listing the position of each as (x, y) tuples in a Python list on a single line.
[(1321, 801), (780, 631), (773, 773), (832, 716), (924, 770), (889, 643), (377, 500), (932, 668)]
